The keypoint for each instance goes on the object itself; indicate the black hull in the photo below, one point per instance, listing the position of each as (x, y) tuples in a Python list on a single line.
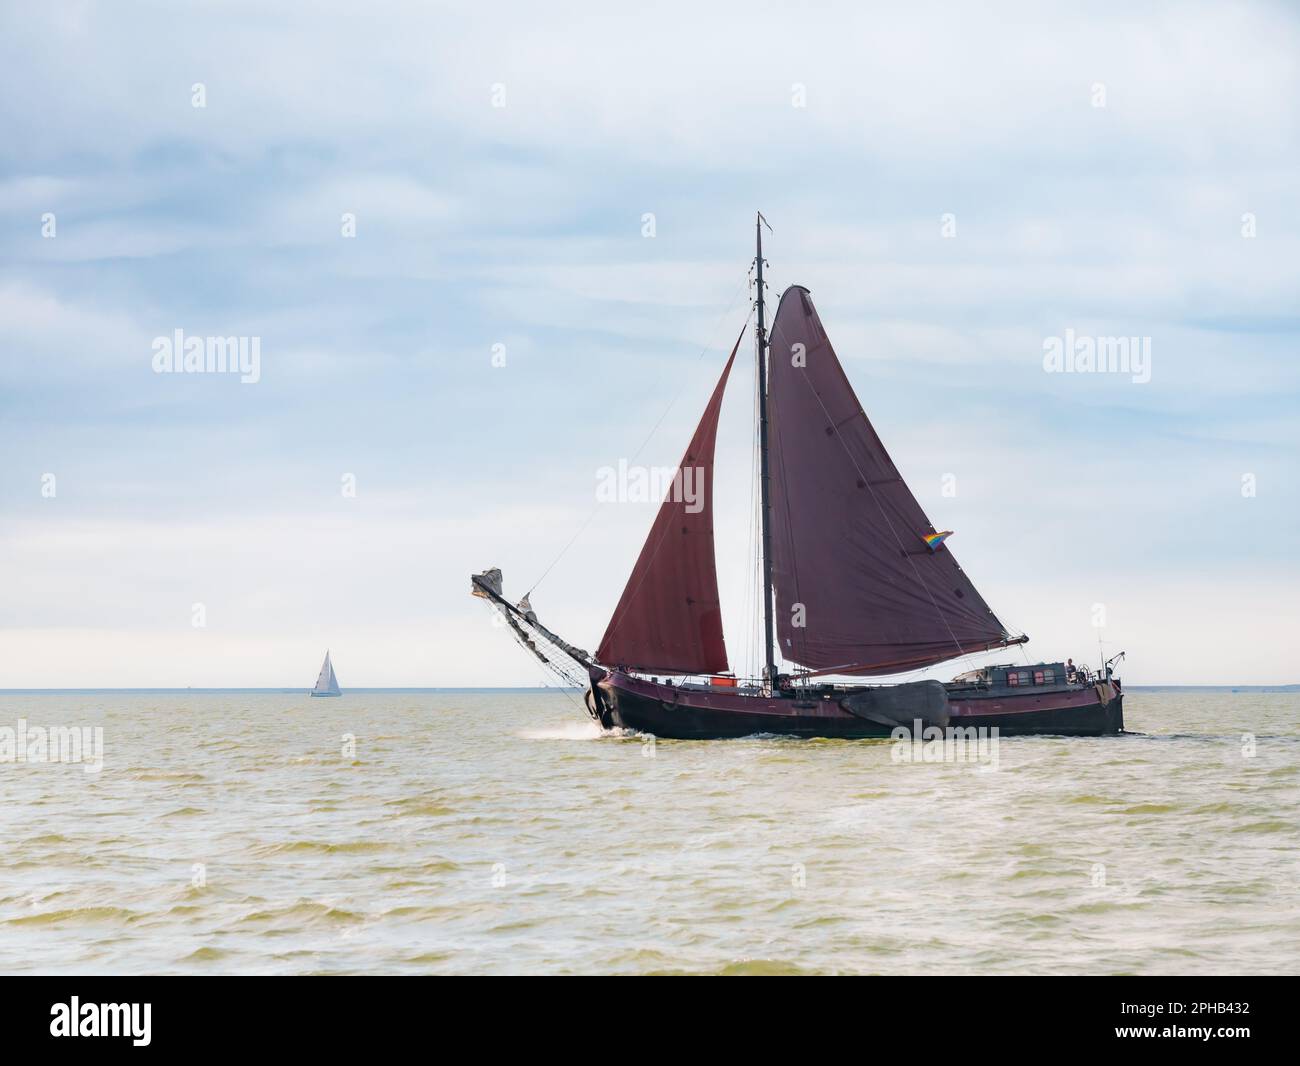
[(619, 708), (1094, 720)]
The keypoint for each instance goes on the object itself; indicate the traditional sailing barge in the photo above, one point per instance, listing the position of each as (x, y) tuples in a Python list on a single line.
[(856, 582)]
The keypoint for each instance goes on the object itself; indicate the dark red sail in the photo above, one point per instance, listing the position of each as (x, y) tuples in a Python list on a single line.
[(669, 618), (849, 558)]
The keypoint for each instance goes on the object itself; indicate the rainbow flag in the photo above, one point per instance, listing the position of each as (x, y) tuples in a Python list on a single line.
[(933, 540)]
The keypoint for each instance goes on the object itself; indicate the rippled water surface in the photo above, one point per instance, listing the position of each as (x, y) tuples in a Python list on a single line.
[(500, 832)]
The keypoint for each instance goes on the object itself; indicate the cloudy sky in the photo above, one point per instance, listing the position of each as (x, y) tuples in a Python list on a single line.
[(1099, 169)]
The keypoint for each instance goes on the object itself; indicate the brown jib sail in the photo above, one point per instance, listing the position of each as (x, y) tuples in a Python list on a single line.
[(858, 589), (669, 618)]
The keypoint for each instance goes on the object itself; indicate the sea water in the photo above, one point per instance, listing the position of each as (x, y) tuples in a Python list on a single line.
[(503, 832)]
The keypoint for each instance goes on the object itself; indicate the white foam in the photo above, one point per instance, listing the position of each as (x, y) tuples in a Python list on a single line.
[(588, 730)]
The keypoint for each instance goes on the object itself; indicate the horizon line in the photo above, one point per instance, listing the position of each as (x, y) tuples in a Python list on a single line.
[(300, 690)]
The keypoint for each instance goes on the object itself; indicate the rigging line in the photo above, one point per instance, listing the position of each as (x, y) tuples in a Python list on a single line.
[(1007, 624), (653, 429), (548, 666), (968, 661), (884, 514)]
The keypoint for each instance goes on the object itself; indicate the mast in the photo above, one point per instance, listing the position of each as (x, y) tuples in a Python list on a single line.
[(760, 332)]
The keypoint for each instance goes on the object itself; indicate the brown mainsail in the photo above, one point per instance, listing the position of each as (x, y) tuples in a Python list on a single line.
[(669, 618), (858, 589)]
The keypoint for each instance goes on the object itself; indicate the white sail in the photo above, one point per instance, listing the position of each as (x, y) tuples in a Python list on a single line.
[(326, 683)]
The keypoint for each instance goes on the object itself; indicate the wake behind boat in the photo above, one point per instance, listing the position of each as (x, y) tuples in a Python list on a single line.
[(857, 582), (326, 683)]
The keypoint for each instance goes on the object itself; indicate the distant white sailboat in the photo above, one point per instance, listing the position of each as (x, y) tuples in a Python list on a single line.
[(326, 684)]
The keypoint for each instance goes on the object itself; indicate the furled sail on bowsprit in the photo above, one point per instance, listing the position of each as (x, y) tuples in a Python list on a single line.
[(859, 589), (669, 618)]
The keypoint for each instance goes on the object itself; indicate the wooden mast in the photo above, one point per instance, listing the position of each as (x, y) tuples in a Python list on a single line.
[(769, 672)]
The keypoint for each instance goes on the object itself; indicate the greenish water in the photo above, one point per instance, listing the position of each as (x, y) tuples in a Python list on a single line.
[(501, 833)]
